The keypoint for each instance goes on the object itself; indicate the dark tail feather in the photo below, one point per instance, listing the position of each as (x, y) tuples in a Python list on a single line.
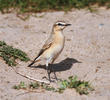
[(42, 50), (32, 62)]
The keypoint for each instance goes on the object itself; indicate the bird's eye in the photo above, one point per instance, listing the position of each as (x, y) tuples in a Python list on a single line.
[(60, 24)]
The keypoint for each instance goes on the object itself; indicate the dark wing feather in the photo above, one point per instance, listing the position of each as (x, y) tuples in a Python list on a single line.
[(47, 44)]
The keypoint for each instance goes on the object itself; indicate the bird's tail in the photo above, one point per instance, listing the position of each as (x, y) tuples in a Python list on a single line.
[(37, 58)]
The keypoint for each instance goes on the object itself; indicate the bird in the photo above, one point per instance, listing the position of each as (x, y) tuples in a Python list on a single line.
[(52, 47)]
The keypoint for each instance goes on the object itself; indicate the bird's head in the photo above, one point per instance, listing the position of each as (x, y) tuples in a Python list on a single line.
[(60, 25)]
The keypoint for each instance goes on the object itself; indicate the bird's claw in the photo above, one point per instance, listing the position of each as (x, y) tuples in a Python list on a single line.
[(48, 79)]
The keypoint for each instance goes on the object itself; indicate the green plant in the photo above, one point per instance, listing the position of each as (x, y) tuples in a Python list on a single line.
[(34, 85), (22, 85), (23, 6), (82, 87), (47, 87), (10, 54)]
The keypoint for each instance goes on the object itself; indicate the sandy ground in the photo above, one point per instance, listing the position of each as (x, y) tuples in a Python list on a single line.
[(87, 41)]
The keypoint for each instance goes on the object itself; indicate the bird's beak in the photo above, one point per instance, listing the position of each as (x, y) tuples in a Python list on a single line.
[(67, 24)]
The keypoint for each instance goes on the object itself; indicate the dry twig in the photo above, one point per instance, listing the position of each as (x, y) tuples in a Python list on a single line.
[(30, 78)]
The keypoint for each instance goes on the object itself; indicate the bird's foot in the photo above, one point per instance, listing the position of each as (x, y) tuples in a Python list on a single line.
[(48, 79), (57, 79)]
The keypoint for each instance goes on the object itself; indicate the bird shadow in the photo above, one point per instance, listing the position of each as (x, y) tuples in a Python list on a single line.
[(65, 64)]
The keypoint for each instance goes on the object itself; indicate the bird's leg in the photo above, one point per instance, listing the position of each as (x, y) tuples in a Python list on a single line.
[(55, 77), (48, 71), (54, 73)]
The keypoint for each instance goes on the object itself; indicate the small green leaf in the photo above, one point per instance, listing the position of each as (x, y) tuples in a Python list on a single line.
[(2, 43), (34, 85)]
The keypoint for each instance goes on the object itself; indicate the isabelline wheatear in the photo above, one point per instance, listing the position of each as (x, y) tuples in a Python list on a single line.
[(53, 46)]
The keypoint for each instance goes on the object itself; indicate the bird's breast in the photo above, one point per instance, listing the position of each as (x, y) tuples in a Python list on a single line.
[(56, 47)]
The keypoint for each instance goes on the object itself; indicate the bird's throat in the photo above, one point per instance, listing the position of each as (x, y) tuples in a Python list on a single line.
[(59, 37)]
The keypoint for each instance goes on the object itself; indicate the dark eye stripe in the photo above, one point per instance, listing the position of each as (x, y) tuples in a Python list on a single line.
[(60, 24)]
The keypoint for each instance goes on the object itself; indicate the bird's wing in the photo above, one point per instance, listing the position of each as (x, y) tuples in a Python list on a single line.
[(47, 44)]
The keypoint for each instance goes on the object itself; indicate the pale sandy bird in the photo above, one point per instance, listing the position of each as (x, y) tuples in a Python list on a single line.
[(53, 46)]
